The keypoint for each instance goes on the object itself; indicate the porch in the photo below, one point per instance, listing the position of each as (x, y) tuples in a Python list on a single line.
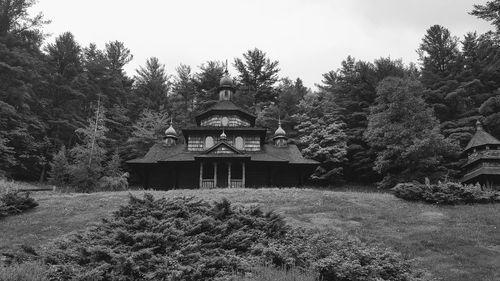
[(222, 174)]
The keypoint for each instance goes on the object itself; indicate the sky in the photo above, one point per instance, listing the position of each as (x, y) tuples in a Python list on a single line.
[(308, 38)]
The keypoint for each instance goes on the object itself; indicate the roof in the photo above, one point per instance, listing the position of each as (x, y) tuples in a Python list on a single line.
[(160, 152), (480, 138), (225, 106)]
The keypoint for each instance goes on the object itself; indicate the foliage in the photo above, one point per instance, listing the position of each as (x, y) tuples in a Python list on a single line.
[(352, 88), (13, 201), (190, 239), (489, 12), (446, 193), (403, 130), (60, 170), (258, 74), (29, 271), (321, 136)]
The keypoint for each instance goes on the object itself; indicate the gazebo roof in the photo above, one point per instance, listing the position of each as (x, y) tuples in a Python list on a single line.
[(480, 138)]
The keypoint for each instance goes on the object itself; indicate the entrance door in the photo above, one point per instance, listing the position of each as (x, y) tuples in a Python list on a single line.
[(222, 174)]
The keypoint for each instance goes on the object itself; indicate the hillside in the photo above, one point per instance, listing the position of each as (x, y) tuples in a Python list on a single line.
[(452, 242)]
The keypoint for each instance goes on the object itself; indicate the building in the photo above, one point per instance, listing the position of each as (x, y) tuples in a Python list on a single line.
[(483, 159), (225, 149)]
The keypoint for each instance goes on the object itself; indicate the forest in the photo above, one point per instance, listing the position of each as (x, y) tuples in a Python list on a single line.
[(70, 114)]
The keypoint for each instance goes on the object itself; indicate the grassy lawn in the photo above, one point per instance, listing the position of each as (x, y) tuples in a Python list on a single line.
[(452, 242)]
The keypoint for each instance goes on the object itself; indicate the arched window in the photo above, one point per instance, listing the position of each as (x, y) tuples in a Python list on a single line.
[(238, 143), (209, 142), (225, 121)]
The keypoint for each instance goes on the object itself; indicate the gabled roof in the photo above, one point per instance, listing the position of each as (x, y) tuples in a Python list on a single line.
[(480, 138), (222, 144), (225, 106)]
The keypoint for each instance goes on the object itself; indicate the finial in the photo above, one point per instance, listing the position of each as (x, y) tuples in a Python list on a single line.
[(171, 121), (279, 120), (226, 67), (479, 126), (223, 135)]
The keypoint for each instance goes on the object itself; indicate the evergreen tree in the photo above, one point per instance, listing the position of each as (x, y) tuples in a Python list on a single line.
[(406, 135), (489, 12), (60, 171), (321, 136), (148, 130), (207, 83), (258, 75), (151, 86)]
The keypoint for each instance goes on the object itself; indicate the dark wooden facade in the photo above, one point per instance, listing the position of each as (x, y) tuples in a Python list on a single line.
[(483, 159), (224, 150)]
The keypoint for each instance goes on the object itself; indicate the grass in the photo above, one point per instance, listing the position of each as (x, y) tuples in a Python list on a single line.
[(451, 242)]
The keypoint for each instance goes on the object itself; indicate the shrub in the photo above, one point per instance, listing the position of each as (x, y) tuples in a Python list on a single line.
[(29, 271), (13, 201), (445, 193), (191, 239)]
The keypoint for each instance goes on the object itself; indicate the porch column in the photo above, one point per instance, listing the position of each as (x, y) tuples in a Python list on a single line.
[(229, 174), (243, 174), (215, 174), (201, 174)]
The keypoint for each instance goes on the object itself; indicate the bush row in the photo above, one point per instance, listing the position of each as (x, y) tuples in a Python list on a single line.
[(450, 193), (191, 239)]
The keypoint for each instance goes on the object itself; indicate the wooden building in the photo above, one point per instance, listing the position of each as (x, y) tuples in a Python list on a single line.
[(483, 159), (225, 149)]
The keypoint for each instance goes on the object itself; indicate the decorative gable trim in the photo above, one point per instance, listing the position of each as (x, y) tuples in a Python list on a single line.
[(222, 148)]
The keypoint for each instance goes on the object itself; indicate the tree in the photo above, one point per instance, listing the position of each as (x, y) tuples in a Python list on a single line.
[(258, 74), (207, 83), (405, 134), (183, 99), (489, 12), (321, 136), (88, 156), (352, 88), (152, 86), (148, 130), (23, 76), (60, 171)]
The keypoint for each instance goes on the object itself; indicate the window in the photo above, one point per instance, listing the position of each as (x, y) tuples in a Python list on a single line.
[(238, 143), (209, 142), (225, 121)]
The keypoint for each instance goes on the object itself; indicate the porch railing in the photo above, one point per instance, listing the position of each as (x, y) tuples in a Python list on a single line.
[(207, 183), (236, 183)]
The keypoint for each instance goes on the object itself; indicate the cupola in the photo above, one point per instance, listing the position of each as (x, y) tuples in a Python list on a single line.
[(170, 135), (226, 87), (280, 138)]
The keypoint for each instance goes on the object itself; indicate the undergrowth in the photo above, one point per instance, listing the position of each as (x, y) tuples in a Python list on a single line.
[(188, 239)]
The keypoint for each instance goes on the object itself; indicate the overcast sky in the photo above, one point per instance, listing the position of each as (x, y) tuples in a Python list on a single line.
[(308, 38)]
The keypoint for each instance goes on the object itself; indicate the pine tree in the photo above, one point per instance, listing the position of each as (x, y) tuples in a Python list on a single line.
[(258, 74), (405, 134), (59, 168)]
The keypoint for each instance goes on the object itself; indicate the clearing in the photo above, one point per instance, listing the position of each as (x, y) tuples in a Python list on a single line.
[(452, 242)]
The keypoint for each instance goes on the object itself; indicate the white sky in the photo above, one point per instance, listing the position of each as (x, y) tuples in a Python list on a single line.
[(308, 38)]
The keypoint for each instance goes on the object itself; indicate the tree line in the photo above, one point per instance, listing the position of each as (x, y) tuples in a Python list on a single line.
[(67, 105)]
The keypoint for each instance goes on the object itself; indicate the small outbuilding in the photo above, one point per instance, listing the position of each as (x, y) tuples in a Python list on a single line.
[(483, 159)]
